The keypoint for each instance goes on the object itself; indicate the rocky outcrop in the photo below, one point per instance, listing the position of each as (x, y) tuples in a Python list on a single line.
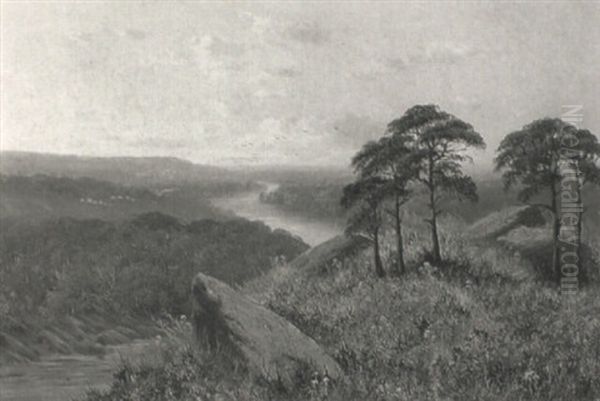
[(502, 222), (322, 256), (227, 321)]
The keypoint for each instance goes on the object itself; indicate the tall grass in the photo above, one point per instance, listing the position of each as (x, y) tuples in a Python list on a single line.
[(472, 328)]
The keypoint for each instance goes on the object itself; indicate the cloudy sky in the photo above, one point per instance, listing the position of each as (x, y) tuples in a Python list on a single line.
[(269, 83)]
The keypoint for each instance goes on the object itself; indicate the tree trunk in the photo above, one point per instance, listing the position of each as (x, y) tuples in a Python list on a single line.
[(436, 254), (579, 229), (579, 213), (437, 257), (378, 264), (555, 236), (400, 247)]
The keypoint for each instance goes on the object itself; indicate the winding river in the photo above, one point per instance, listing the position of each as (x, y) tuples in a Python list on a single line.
[(249, 206), (62, 378)]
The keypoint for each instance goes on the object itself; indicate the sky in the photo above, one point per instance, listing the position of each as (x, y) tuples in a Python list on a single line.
[(232, 83)]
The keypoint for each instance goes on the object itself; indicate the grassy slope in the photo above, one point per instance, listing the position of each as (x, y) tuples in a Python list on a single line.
[(472, 330), (465, 335)]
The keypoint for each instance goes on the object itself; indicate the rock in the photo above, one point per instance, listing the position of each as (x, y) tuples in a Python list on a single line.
[(225, 320), (502, 222)]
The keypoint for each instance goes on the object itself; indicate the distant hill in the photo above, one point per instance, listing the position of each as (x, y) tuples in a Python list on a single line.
[(123, 170), (41, 196), (295, 175)]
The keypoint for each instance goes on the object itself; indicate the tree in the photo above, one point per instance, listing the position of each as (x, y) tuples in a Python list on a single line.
[(389, 159), (554, 156), (439, 141), (365, 197)]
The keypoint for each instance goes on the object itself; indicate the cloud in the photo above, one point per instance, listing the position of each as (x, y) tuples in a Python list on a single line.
[(220, 47), (158, 142), (434, 53), (353, 130), (259, 25), (443, 53), (312, 34), (286, 72), (279, 82), (397, 63), (136, 34)]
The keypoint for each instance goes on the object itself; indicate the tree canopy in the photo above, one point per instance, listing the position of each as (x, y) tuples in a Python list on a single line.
[(532, 155), (550, 155), (438, 142)]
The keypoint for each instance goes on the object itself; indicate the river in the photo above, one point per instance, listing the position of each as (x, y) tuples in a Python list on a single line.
[(249, 206), (62, 378)]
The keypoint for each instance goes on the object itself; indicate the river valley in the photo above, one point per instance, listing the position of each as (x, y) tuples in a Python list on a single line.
[(62, 378)]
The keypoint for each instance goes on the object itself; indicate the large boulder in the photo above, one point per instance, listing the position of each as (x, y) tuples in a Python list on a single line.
[(226, 321)]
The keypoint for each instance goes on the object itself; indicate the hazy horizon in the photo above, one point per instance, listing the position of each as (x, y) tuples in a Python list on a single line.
[(473, 169), (228, 84)]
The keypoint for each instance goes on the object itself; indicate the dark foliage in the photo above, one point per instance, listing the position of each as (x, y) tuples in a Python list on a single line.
[(555, 159), (142, 267), (313, 200), (438, 142)]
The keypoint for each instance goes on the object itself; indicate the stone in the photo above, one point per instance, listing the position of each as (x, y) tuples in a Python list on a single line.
[(227, 321)]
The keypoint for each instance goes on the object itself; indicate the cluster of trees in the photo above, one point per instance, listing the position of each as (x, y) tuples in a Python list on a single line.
[(142, 266), (426, 149), (314, 200)]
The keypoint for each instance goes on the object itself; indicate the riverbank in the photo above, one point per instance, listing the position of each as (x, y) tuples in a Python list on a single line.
[(248, 205)]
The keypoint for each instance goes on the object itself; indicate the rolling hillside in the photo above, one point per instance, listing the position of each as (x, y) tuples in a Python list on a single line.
[(468, 329), (139, 171), (41, 196)]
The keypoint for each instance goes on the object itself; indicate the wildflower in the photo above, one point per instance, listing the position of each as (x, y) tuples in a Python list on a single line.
[(530, 376), (314, 382)]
